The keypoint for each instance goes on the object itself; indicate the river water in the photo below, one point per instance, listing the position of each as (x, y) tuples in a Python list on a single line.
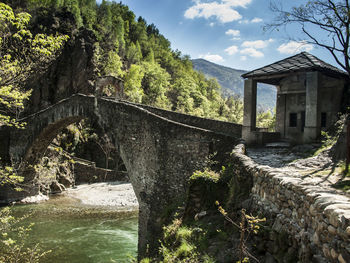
[(79, 228)]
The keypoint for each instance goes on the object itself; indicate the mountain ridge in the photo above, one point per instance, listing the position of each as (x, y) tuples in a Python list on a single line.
[(232, 83)]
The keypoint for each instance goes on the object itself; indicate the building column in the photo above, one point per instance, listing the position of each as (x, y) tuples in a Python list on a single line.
[(249, 117), (281, 113), (312, 126)]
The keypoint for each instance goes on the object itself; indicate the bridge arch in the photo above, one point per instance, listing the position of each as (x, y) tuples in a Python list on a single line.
[(159, 154)]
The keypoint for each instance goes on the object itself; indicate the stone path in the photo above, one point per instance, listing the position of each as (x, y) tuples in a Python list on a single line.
[(315, 170)]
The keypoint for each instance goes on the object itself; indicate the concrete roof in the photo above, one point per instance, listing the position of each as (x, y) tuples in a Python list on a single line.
[(303, 61)]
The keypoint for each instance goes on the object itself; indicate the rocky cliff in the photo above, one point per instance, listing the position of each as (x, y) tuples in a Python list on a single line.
[(71, 71)]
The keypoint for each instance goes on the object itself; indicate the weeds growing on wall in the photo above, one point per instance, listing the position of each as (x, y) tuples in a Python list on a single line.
[(248, 225), (331, 136)]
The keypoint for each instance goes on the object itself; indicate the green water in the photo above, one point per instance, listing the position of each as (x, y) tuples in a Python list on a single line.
[(79, 233)]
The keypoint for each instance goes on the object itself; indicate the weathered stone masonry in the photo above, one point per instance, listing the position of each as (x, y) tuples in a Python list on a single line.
[(159, 154), (316, 219), (222, 127)]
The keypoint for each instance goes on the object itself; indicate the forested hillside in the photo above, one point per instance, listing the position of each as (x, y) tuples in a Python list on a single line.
[(232, 83), (129, 48), (135, 51), (230, 79)]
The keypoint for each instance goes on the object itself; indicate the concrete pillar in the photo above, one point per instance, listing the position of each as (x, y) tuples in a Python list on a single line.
[(281, 113), (312, 125), (249, 117)]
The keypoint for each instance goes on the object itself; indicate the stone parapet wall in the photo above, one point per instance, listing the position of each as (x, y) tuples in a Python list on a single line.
[(224, 127), (87, 173), (316, 219)]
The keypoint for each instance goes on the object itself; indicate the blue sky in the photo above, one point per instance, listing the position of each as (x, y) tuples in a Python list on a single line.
[(226, 32)]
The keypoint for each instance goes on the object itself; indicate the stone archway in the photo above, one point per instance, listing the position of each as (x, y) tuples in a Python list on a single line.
[(159, 154)]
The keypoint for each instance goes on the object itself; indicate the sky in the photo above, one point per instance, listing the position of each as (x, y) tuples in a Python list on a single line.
[(226, 32)]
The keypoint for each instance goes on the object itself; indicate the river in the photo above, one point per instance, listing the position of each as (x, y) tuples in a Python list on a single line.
[(92, 223)]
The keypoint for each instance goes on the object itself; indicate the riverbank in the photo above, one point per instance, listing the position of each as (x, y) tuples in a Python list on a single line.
[(116, 194), (86, 224), (119, 195)]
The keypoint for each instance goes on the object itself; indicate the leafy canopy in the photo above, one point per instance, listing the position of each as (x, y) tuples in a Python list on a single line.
[(21, 53)]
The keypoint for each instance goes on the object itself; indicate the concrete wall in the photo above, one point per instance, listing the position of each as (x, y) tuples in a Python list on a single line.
[(315, 219)]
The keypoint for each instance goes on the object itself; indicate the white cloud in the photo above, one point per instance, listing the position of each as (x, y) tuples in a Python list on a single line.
[(252, 52), (233, 32), (245, 21), (231, 50), (243, 58), (212, 58), (257, 44), (254, 20), (293, 47), (242, 3), (224, 10), (212, 24)]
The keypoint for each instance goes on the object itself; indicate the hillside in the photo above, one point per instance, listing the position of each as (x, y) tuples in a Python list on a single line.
[(127, 47), (232, 83)]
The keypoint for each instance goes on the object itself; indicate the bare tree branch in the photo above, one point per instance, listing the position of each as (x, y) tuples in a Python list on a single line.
[(330, 16)]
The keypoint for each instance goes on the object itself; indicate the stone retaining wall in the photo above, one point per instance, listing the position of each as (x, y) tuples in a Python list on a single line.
[(87, 173), (316, 219)]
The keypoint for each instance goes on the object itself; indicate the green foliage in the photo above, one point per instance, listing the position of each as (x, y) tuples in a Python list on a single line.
[(133, 82), (231, 82), (329, 138), (153, 73), (21, 52), (8, 176), (266, 120), (13, 237), (113, 65), (180, 244), (207, 176), (248, 224), (155, 84)]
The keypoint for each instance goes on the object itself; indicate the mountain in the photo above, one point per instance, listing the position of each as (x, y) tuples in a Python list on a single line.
[(233, 84)]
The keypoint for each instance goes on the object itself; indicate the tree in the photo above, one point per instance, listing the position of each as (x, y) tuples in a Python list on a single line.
[(21, 54), (265, 119), (73, 6), (120, 32), (14, 240), (132, 85), (113, 64), (155, 83), (134, 54), (326, 23)]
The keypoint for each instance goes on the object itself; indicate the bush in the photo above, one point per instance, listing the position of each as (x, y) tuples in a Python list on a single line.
[(13, 240)]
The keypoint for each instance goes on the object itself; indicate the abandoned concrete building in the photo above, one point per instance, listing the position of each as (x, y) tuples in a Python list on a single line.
[(309, 95)]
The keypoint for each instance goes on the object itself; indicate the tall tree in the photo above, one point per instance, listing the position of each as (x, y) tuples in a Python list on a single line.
[(21, 53), (119, 28), (133, 81), (325, 23), (73, 6)]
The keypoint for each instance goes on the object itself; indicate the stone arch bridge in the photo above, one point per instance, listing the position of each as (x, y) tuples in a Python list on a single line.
[(160, 149)]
